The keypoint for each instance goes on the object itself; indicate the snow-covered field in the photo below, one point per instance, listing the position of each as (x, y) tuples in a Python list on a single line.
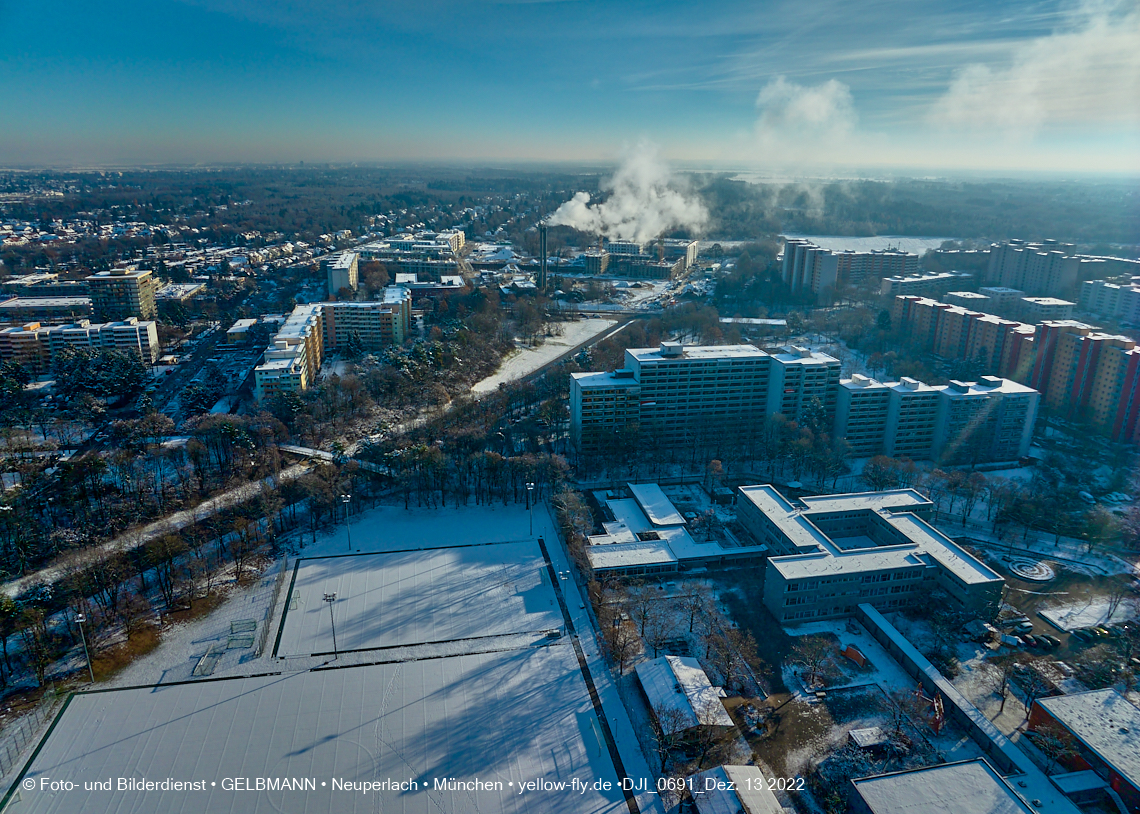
[(392, 529), (418, 597), (528, 360)]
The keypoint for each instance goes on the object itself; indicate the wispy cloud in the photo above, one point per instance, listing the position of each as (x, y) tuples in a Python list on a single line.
[(1087, 71)]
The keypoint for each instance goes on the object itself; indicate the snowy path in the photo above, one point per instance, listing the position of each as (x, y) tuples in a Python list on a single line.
[(527, 360), (133, 539), (635, 765)]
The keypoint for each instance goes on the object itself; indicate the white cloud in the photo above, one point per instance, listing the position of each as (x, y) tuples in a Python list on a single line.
[(799, 123), (1086, 72)]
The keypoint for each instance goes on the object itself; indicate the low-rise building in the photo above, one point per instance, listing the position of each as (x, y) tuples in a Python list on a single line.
[(967, 787), (832, 553), (1106, 729), (680, 695)]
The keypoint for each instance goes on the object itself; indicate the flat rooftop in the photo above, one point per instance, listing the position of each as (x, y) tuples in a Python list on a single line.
[(604, 380), (1105, 722), (969, 787), (402, 598), (658, 508), (495, 717), (695, 353), (820, 555)]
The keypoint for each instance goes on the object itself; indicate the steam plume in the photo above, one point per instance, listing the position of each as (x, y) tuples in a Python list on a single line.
[(644, 202)]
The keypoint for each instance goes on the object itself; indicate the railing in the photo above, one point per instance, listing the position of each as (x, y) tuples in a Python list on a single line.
[(19, 735)]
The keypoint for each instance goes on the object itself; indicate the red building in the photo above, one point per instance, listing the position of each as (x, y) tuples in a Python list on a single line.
[(1106, 728)]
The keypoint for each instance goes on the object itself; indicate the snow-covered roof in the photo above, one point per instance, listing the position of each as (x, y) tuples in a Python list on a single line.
[(969, 787), (679, 683), (658, 508), (749, 792), (1104, 721)]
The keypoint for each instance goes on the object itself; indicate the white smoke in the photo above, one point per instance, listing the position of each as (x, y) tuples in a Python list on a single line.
[(644, 202)]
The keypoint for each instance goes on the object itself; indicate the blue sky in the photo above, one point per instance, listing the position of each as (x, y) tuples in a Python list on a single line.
[(769, 83)]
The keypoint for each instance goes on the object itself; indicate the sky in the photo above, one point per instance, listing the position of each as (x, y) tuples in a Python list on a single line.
[(772, 85)]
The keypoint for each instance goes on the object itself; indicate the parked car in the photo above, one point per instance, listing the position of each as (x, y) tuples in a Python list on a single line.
[(1024, 627), (1053, 640), (1027, 641), (1082, 634)]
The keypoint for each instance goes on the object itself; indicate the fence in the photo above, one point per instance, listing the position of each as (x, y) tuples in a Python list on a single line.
[(17, 737), (277, 583)]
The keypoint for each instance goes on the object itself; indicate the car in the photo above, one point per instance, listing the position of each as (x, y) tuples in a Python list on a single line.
[(1053, 640), (1043, 641), (1082, 634), (1024, 627), (1027, 641), (1101, 630)]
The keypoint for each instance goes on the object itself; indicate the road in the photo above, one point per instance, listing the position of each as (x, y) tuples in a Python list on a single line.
[(134, 538)]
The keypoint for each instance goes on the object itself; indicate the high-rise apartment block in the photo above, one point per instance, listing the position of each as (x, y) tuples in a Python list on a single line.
[(808, 267), (962, 422), (1002, 347), (723, 395), (931, 284), (1119, 301), (293, 359), (1039, 269), (122, 292), (679, 393), (343, 272), (35, 346), (1090, 376)]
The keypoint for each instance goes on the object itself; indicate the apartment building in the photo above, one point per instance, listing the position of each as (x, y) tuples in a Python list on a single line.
[(1045, 309), (125, 291), (861, 408), (988, 420), (1119, 301), (1002, 346), (1084, 374), (343, 272), (35, 346), (912, 412), (1039, 269), (970, 300), (679, 393), (963, 422), (806, 266), (833, 553), (376, 324), (293, 358), (932, 284)]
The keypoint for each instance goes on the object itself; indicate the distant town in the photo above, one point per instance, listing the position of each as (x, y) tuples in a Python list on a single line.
[(459, 491)]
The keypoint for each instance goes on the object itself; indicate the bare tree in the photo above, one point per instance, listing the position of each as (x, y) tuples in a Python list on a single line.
[(997, 673), (1034, 684), (810, 652), (620, 642), (697, 602), (658, 627), (1056, 743), (668, 728)]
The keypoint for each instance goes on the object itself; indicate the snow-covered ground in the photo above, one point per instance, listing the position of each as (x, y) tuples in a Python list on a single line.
[(1087, 614), (527, 360), (391, 528)]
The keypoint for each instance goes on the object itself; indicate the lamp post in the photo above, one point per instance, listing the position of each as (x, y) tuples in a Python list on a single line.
[(330, 598), (530, 505), (80, 619), (346, 500)]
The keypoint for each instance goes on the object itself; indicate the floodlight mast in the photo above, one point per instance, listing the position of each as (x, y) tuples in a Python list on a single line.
[(330, 598), (530, 504), (80, 619), (346, 500)]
